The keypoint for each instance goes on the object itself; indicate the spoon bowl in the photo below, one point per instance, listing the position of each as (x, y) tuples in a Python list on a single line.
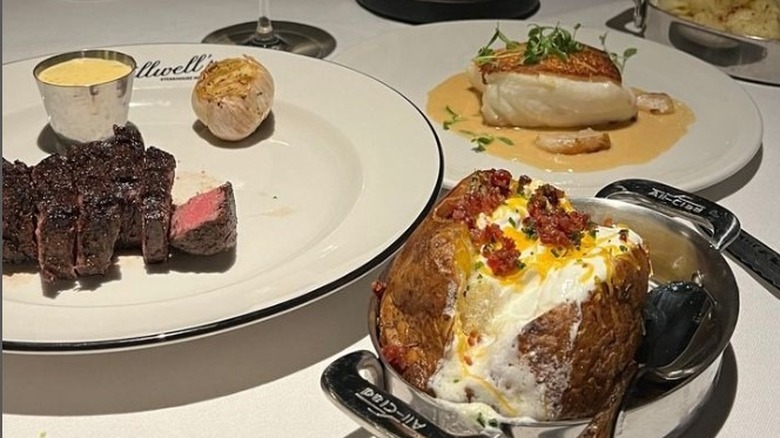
[(672, 317)]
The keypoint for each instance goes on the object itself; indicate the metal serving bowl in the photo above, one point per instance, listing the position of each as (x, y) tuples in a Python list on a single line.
[(752, 58), (371, 392)]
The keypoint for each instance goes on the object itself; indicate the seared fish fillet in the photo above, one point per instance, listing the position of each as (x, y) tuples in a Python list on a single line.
[(583, 90)]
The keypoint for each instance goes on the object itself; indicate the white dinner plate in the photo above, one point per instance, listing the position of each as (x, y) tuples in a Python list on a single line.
[(726, 134), (328, 188)]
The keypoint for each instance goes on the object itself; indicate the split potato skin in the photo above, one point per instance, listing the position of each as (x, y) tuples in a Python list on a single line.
[(610, 331), (424, 278), (423, 289)]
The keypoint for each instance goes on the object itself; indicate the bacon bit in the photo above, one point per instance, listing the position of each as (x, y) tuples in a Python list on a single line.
[(468, 360), (523, 181), (474, 338), (378, 287), (488, 189), (499, 250), (553, 225), (501, 179), (623, 233)]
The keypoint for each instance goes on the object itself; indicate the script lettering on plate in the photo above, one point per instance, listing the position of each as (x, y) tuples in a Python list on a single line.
[(175, 72)]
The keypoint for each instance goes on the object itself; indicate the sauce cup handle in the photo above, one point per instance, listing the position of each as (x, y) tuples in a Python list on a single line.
[(368, 403), (722, 223)]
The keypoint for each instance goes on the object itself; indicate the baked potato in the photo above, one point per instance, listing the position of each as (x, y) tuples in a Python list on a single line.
[(506, 295)]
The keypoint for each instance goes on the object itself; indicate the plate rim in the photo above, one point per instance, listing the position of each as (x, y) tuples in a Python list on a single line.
[(164, 337)]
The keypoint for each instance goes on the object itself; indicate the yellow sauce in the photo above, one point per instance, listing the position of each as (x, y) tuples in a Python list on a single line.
[(634, 142), (84, 71)]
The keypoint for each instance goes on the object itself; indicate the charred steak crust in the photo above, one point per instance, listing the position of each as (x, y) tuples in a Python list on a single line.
[(56, 203), (159, 169), (18, 214), (206, 236), (127, 157), (98, 226)]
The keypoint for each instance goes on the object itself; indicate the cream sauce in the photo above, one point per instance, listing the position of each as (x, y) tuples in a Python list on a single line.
[(634, 142), (84, 71)]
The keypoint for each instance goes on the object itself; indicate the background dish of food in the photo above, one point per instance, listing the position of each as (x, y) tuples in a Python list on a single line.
[(745, 57), (753, 18), (721, 141), (312, 188)]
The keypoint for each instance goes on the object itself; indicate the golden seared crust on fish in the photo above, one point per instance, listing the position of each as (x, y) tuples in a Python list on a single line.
[(586, 64)]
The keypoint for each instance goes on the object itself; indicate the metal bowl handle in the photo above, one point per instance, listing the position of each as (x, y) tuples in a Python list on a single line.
[(723, 225), (367, 403)]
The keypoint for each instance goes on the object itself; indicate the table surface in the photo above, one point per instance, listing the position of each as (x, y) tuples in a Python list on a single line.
[(263, 380)]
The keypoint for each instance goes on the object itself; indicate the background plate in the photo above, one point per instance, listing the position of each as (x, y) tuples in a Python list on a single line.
[(725, 136), (325, 190)]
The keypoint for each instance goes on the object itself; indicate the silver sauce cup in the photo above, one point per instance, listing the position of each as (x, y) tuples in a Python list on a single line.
[(84, 113)]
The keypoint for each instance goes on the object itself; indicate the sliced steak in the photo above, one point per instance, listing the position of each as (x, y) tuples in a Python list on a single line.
[(206, 223), (18, 214), (158, 174), (57, 216), (122, 168), (128, 166), (98, 225)]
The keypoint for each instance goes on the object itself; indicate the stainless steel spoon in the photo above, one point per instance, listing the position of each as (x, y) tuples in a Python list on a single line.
[(672, 316)]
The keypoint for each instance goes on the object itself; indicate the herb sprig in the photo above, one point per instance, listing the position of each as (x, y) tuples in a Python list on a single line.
[(487, 54), (481, 141), (543, 42), (453, 118), (546, 41), (618, 60)]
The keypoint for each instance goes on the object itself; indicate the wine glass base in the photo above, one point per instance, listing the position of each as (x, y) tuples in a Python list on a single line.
[(297, 38)]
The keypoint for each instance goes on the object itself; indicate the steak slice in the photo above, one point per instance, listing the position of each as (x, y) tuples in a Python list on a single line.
[(206, 223), (57, 216), (156, 206), (97, 228), (127, 155), (18, 214), (122, 167)]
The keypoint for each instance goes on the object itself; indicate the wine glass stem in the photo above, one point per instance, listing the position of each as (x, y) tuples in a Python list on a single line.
[(265, 34)]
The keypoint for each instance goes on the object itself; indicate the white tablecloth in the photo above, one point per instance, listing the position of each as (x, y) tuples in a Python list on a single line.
[(263, 380)]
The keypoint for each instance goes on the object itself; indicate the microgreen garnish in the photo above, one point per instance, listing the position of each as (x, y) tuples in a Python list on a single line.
[(545, 41), (482, 140), (506, 140), (520, 265), (453, 118), (512, 222), (618, 60), (479, 265), (487, 54)]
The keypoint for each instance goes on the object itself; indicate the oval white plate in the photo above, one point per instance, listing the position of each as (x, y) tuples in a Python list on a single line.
[(725, 136), (327, 189)]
